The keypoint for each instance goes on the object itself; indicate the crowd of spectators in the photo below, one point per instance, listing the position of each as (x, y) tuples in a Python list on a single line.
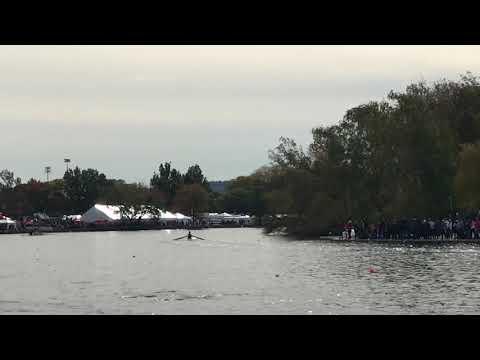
[(448, 228)]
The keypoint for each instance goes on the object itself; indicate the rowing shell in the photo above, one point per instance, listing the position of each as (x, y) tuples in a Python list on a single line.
[(186, 236)]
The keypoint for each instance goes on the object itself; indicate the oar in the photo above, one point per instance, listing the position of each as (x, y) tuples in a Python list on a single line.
[(198, 237), (181, 237)]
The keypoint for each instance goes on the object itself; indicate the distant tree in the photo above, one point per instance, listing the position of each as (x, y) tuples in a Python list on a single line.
[(131, 212), (15, 203), (194, 175), (246, 194), (390, 159), (134, 200), (218, 186), (11, 201), (167, 180), (57, 202), (239, 200), (8, 180), (123, 193), (279, 202), (154, 211), (289, 154), (83, 187), (215, 202), (36, 195), (156, 198), (467, 180), (191, 199)]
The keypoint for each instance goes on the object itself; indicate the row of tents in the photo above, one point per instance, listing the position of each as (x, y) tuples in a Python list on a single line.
[(6, 223), (100, 213), (226, 218), (107, 213)]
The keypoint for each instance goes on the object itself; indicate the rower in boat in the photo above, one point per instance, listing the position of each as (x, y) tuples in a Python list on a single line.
[(189, 236)]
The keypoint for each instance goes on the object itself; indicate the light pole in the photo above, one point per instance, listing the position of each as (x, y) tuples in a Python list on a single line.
[(66, 161), (48, 170)]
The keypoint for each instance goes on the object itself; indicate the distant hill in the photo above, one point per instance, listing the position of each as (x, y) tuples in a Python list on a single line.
[(219, 186)]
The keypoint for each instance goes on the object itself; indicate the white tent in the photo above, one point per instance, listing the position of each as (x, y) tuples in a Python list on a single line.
[(73, 217), (6, 223), (239, 219), (103, 213), (182, 217), (217, 219), (167, 215), (185, 220), (100, 212)]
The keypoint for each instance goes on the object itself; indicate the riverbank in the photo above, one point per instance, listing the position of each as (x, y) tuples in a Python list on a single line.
[(116, 227), (401, 241)]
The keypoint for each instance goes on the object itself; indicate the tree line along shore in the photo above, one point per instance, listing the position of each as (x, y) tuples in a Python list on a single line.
[(413, 155)]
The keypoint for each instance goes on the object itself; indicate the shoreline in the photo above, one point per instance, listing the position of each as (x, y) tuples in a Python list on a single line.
[(320, 238), (401, 241), (121, 228)]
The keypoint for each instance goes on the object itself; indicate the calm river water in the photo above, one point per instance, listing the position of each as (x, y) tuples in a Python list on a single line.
[(233, 271)]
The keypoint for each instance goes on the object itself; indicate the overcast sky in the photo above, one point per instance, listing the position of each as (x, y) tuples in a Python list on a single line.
[(125, 109)]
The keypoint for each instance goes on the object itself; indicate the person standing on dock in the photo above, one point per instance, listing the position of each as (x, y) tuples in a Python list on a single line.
[(458, 228), (449, 228), (348, 229), (381, 230), (472, 229), (477, 227)]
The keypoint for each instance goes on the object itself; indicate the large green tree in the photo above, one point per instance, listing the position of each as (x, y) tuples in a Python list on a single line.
[(467, 180), (167, 180), (8, 180), (246, 194), (384, 160), (194, 175), (135, 200), (191, 199), (84, 187)]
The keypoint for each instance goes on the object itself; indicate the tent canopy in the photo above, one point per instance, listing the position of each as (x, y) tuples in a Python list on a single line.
[(182, 217), (100, 212), (7, 220)]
